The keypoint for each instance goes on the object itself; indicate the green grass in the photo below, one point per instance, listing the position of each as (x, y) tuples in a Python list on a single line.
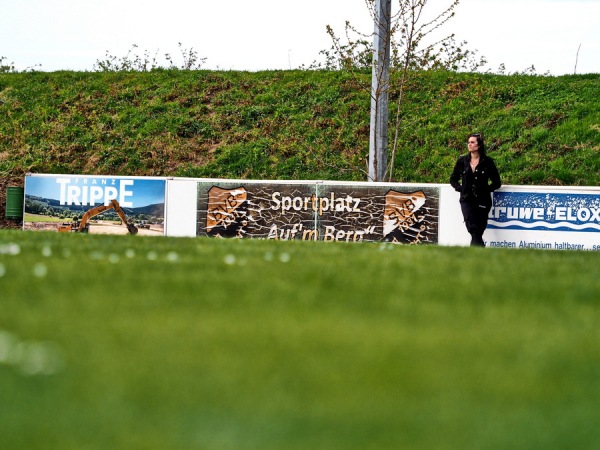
[(295, 124), (124, 342), (39, 218)]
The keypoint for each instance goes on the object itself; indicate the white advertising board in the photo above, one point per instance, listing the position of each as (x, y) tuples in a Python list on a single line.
[(304, 210), (552, 218), (97, 204), (540, 217)]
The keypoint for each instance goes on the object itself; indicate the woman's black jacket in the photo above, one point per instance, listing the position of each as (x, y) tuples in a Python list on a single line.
[(475, 187)]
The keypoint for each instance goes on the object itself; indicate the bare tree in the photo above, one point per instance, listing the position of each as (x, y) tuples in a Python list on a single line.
[(380, 88), (412, 30), (408, 31)]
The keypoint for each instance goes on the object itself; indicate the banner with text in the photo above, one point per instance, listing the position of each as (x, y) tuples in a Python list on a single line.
[(95, 204), (318, 211), (542, 217), (559, 220)]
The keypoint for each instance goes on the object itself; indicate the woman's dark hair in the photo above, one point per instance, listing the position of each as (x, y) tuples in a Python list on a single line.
[(480, 143)]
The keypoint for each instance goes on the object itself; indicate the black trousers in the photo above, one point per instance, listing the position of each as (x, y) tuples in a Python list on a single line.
[(476, 218)]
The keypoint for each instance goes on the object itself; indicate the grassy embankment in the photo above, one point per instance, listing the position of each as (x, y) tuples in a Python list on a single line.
[(292, 125)]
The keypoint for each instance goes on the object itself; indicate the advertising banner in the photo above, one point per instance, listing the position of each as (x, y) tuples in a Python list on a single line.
[(95, 204), (558, 220), (318, 211), (540, 217)]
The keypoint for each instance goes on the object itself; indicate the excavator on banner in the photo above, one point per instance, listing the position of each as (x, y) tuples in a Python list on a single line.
[(83, 226)]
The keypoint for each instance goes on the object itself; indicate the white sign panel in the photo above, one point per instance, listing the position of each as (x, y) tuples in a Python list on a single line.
[(557, 219)]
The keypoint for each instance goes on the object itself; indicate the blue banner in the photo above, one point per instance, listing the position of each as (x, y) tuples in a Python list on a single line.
[(545, 211)]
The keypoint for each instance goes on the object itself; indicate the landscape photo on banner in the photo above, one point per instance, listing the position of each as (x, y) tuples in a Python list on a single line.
[(95, 204)]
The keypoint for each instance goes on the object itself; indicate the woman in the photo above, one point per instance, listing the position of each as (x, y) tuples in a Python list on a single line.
[(475, 176)]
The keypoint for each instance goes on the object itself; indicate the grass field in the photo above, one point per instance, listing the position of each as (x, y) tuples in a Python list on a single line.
[(124, 342), (28, 217)]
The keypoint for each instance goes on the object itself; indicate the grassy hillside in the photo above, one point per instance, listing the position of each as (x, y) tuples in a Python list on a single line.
[(292, 125)]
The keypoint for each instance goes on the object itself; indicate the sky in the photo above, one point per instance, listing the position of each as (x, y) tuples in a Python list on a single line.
[(137, 192), (555, 36)]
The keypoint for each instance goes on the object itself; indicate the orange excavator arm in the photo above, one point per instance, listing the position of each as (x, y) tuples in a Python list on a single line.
[(94, 212), (114, 204), (119, 211), (130, 227)]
